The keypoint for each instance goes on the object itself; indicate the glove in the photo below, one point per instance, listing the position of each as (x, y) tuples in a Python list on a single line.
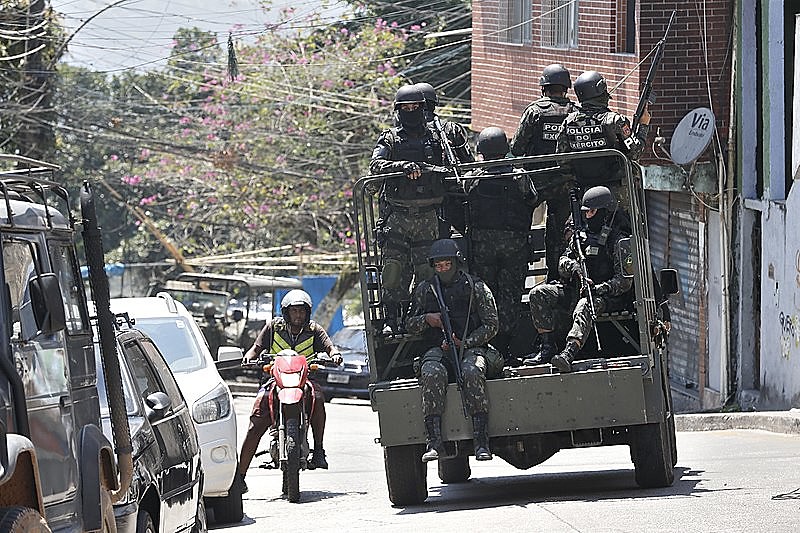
[(336, 357), (409, 168), (601, 289)]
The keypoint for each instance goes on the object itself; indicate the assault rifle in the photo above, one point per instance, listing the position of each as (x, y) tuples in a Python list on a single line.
[(647, 90), (450, 159), (583, 272), (447, 330)]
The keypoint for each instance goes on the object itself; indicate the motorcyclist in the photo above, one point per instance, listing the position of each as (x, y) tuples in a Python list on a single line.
[(293, 330)]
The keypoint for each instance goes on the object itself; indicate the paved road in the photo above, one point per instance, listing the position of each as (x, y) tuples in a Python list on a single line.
[(732, 480)]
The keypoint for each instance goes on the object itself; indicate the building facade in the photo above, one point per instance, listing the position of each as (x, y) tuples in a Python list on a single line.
[(690, 207)]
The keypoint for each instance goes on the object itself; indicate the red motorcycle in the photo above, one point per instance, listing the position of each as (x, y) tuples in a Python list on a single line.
[(290, 403)]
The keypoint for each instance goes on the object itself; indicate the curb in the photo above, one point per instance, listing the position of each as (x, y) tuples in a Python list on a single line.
[(775, 421)]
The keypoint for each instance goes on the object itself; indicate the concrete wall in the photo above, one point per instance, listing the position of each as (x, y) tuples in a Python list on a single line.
[(780, 304)]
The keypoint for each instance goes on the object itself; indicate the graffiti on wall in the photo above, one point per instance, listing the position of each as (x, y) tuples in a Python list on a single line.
[(790, 333)]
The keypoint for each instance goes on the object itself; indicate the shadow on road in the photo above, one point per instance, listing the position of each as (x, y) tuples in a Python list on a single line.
[(489, 492)]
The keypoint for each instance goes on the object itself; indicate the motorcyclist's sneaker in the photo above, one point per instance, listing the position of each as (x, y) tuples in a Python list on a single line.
[(318, 460)]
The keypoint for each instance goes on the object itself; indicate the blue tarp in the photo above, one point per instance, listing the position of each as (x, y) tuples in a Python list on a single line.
[(317, 287)]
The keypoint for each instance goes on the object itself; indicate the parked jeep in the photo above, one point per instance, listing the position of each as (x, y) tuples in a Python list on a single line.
[(55, 461)]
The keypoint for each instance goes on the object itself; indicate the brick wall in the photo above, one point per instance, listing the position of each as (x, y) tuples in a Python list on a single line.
[(505, 77)]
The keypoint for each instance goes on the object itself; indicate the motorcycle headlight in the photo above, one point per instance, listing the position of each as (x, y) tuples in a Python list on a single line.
[(291, 380), (213, 406)]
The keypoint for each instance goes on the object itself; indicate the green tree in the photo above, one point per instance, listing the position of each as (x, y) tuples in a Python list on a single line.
[(30, 44)]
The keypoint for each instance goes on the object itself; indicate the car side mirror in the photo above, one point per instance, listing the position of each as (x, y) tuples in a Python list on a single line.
[(668, 278), (229, 356), (625, 256), (47, 303), (156, 406)]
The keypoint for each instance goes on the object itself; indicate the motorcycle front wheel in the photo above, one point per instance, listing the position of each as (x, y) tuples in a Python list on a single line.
[(291, 470)]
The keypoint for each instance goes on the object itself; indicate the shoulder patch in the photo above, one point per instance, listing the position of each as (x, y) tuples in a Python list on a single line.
[(626, 130)]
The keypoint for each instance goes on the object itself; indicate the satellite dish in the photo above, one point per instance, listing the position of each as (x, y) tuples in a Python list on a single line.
[(692, 136)]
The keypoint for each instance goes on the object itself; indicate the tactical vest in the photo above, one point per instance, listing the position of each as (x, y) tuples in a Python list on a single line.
[(457, 298), (498, 204), (428, 189), (551, 115), (599, 263), (304, 344), (588, 130)]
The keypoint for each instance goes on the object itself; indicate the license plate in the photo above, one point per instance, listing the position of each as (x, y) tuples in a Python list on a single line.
[(338, 378)]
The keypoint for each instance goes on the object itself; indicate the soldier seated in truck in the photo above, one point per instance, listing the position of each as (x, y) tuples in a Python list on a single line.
[(594, 279)]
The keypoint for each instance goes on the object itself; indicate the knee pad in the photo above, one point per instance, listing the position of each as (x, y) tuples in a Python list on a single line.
[(392, 274), (423, 271)]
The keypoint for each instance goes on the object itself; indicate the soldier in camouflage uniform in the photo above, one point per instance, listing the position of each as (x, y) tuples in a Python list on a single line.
[(595, 127), (455, 134), (409, 204), (536, 135), (473, 315), (501, 200), (551, 303)]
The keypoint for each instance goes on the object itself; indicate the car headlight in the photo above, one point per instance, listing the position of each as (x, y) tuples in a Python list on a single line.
[(213, 406)]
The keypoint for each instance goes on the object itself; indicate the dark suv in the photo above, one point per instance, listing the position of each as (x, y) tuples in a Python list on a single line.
[(166, 491)]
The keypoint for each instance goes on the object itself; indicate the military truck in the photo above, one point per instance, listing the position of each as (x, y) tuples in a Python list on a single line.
[(57, 470), (617, 396)]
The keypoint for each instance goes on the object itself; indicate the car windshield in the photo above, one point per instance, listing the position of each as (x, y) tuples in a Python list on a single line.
[(174, 338), (351, 338), (130, 405)]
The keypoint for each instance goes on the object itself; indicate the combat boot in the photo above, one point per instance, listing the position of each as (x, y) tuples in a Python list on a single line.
[(545, 350), (480, 436), (563, 361), (433, 435)]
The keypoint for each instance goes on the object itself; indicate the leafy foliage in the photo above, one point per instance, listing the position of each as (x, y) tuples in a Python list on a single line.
[(219, 165), (31, 42)]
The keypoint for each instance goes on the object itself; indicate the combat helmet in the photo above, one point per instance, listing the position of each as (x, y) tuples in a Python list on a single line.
[(444, 249), (408, 94), (598, 198), (590, 84), (429, 93), (555, 74), (492, 143)]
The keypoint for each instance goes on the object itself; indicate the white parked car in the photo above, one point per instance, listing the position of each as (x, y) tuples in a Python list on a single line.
[(175, 332)]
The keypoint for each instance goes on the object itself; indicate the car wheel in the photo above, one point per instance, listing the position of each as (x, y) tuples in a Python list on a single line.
[(229, 509), (22, 520), (144, 522)]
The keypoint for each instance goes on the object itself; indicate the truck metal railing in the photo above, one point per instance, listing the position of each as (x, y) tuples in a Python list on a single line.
[(370, 260)]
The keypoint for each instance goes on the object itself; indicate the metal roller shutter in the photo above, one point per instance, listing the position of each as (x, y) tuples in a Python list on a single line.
[(674, 221)]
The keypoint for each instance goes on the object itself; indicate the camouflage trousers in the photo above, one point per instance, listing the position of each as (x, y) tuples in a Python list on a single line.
[(433, 381), (407, 240), (555, 191), (557, 307), (500, 259)]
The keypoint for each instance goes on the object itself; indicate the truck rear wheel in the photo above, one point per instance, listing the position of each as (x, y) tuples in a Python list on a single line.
[(22, 520), (455, 470), (652, 455), (406, 474)]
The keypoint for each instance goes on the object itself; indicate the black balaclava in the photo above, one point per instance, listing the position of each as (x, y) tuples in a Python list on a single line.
[(597, 101), (448, 277), (412, 120), (595, 224)]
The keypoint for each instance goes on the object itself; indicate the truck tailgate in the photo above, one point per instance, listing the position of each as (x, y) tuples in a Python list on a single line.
[(521, 405)]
